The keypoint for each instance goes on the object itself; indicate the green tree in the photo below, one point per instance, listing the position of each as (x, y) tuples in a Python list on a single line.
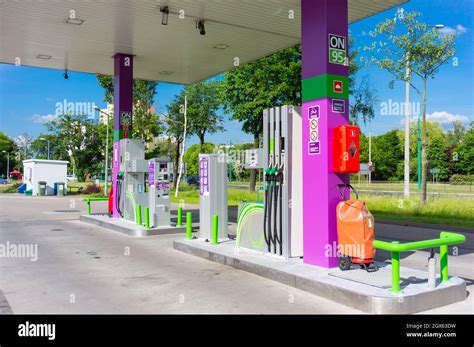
[(146, 123), (191, 157), (404, 41), (203, 102), (272, 81), (437, 150), (387, 156), (56, 147), (456, 134), (7, 145), (362, 102), (81, 140), (23, 143), (354, 65), (174, 124), (102, 133), (463, 155)]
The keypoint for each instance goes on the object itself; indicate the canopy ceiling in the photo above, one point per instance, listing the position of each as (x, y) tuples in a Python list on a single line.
[(38, 34)]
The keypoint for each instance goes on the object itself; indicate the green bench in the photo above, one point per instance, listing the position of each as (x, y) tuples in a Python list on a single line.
[(89, 200), (70, 189)]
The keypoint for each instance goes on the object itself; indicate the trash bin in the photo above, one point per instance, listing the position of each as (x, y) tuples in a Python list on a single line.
[(60, 188), (41, 188)]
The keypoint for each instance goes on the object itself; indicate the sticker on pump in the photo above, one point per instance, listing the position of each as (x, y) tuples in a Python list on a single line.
[(338, 86)]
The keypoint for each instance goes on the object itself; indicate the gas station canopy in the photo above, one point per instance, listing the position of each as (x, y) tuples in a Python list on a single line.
[(83, 35)]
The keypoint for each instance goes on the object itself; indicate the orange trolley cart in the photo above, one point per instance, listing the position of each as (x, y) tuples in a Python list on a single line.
[(355, 232)]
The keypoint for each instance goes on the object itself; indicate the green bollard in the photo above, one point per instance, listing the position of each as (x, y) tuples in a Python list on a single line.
[(189, 225), (215, 229), (138, 214), (147, 218), (395, 271), (443, 262), (179, 224)]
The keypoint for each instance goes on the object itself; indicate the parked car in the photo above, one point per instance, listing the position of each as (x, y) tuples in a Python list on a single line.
[(193, 180), (3, 181)]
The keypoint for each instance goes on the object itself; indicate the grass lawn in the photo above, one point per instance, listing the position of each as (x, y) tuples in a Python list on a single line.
[(234, 196), (446, 210), (437, 210), (398, 187)]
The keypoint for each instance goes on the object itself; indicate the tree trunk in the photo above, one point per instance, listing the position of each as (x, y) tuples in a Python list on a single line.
[(424, 149), (201, 141), (253, 172), (176, 163)]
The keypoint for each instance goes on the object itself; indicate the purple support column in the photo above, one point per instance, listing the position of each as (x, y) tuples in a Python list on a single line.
[(123, 104), (325, 106)]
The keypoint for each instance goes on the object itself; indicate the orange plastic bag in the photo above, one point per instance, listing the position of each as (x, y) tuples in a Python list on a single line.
[(355, 229)]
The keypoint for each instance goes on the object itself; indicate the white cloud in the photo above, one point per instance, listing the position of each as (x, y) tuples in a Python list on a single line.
[(444, 117), (43, 119), (441, 117), (458, 30)]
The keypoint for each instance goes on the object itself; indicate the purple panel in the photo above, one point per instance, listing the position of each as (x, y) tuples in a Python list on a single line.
[(123, 88), (319, 19), (320, 195), (115, 170), (123, 104), (151, 173), (203, 176)]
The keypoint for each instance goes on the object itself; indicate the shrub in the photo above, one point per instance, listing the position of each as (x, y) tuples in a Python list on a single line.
[(12, 189), (92, 189), (184, 186), (461, 179)]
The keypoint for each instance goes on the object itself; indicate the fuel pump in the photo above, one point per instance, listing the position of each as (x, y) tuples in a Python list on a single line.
[(131, 178), (282, 187), (119, 189), (159, 192), (280, 227)]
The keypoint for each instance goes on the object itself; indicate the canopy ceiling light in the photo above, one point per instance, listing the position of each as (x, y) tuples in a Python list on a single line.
[(166, 73), (200, 26), (221, 46), (74, 21), (165, 11)]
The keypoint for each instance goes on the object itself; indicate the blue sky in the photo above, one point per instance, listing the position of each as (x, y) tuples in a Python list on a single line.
[(28, 95)]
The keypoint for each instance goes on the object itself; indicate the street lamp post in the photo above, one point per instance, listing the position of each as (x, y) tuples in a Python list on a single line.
[(43, 139), (369, 164), (8, 165), (419, 153), (230, 163), (106, 178)]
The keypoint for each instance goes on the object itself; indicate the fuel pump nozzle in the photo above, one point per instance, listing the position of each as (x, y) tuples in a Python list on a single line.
[(267, 224), (278, 227)]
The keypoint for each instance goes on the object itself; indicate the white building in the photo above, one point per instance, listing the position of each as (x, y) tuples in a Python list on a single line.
[(50, 171), (102, 115)]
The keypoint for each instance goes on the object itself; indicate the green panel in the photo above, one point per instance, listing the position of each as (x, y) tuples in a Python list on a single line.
[(322, 86), (337, 56), (118, 134)]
